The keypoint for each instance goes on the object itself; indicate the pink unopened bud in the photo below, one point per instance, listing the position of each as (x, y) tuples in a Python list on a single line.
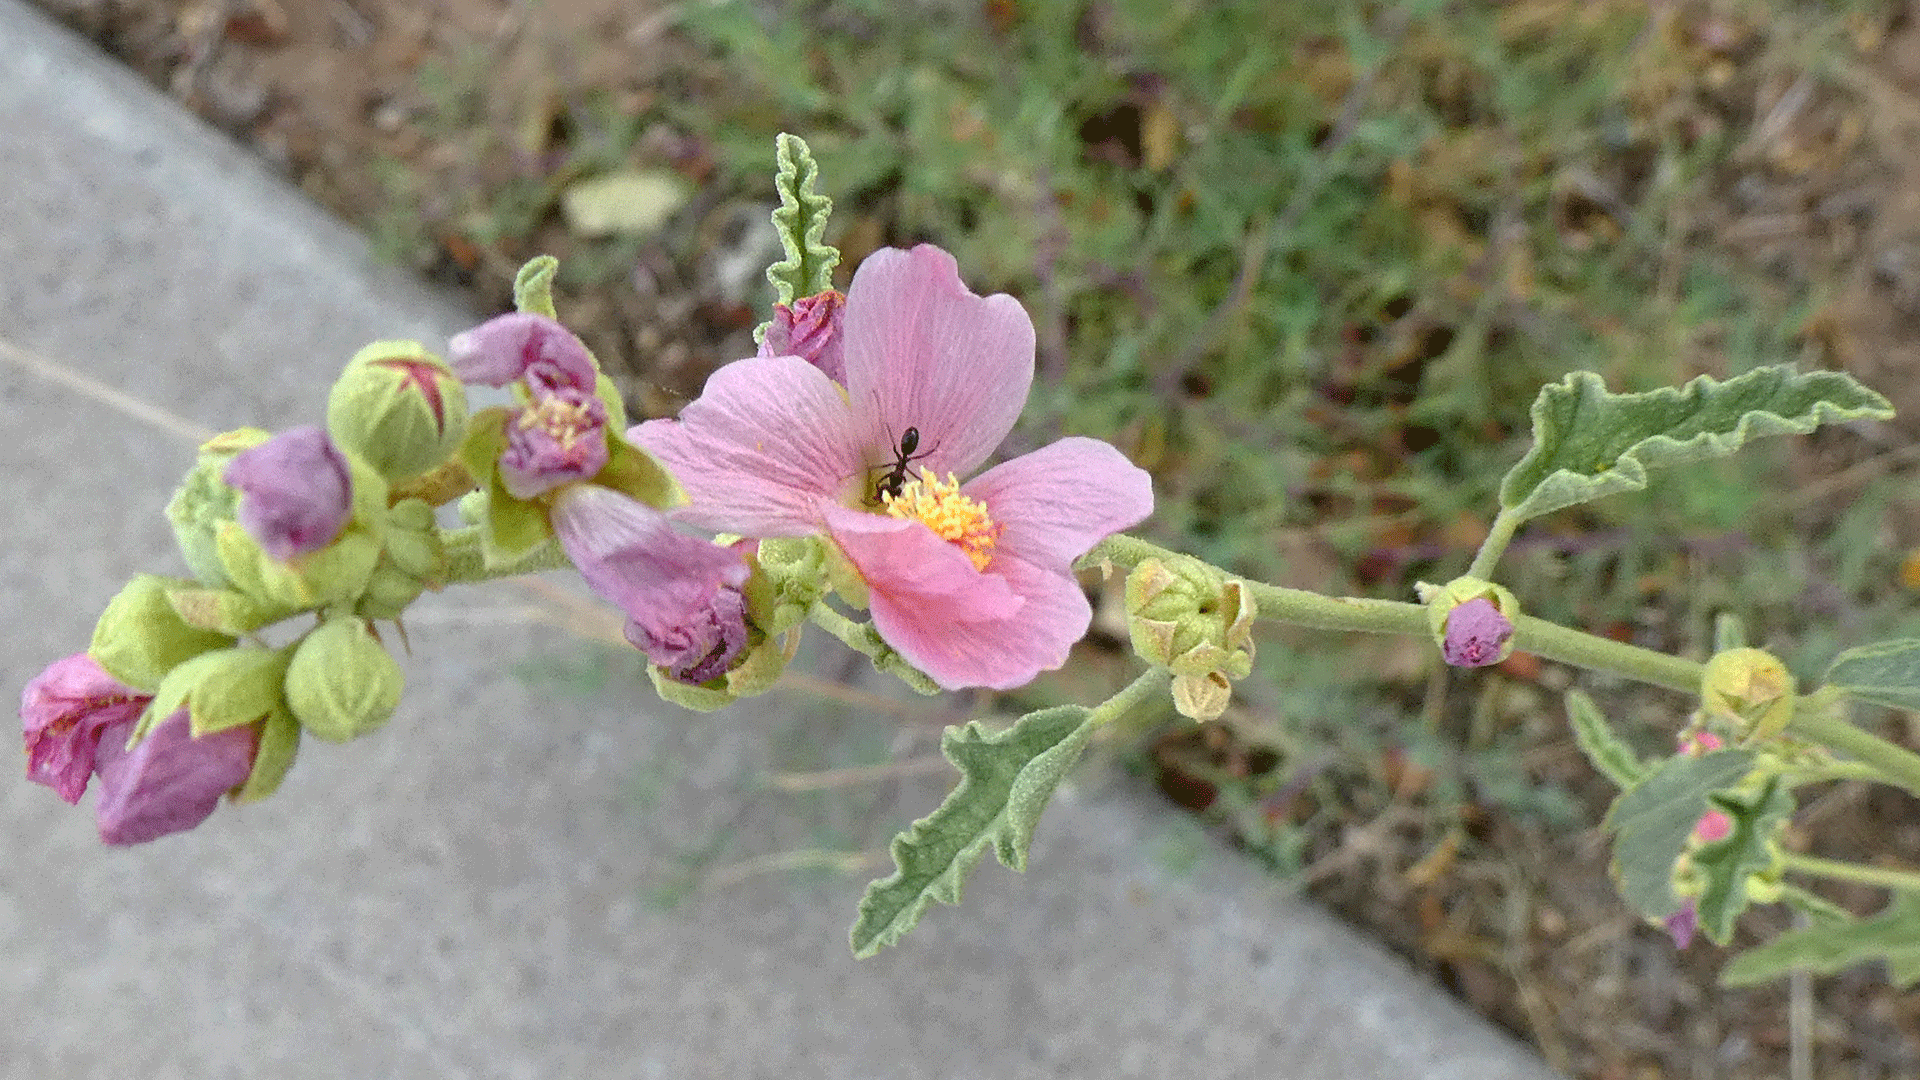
[(810, 330), (63, 712), (523, 346), (1681, 925), (295, 492), (681, 593), (1696, 743), (1713, 827), (170, 781), (1476, 634)]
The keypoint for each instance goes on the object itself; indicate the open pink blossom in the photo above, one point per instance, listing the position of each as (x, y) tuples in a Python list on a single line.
[(63, 712), (681, 593), (972, 582), (560, 435)]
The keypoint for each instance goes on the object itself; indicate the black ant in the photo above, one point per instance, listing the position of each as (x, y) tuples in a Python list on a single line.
[(895, 481)]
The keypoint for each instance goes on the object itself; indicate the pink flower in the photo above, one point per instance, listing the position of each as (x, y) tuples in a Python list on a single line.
[(64, 711), (1697, 743), (1682, 924), (295, 492), (1713, 827), (560, 435), (170, 781), (681, 593), (972, 582), (1476, 631), (810, 330)]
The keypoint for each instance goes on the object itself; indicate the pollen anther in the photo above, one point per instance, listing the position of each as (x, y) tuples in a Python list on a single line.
[(952, 516)]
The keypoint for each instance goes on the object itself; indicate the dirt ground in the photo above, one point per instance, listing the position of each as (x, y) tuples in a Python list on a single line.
[(1824, 193)]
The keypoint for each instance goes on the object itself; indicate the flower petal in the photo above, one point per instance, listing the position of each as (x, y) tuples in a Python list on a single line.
[(768, 442), (1060, 500), (905, 560), (296, 493), (810, 330), (923, 351), (998, 653), (522, 345), (170, 781), (62, 714)]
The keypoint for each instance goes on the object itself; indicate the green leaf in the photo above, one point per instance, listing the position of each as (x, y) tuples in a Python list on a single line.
[(533, 286), (1588, 443), (1727, 865), (633, 202), (1652, 820), (1884, 673), (1729, 632), (1006, 780), (1893, 936), (802, 223), (1614, 758)]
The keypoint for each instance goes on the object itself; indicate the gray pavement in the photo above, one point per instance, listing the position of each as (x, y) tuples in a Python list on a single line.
[(537, 870)]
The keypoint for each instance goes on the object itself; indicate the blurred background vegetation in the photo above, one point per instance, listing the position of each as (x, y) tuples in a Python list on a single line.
[(1308, 261)]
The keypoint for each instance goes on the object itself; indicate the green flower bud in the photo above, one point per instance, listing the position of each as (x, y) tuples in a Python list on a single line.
[(342, 683), (204, 502), (1470, 634), (141, 637), (1750, 689), (412, 562), (223, 610), (334, 574), (399, 407), (221, 689), (1197, 623), (789, 577)]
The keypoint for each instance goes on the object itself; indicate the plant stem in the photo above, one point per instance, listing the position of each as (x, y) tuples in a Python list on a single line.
[(1595, 653), (1859, 873), (1896, 764), (466, 560), (1148, 683), (1499, 535)]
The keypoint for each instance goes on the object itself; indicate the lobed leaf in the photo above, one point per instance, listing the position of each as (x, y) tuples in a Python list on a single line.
[(1588, 443), (1884, 673), (1727, 865), (1892, 936), (1613, 757), (1006, 780), (801, 221), (1652, 820)]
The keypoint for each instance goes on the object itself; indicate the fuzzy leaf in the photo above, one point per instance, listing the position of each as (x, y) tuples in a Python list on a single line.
[(1588, 443), (1726, 865), (1884, 673), (533, 286), (1006, 780), (1652, 820), (1614, 758), (1893, 936), (802, 223)]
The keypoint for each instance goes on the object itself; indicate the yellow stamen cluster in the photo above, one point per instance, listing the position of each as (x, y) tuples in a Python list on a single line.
[(952, 516), (566, 421)]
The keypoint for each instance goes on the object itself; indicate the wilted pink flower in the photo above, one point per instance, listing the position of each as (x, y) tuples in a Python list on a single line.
[(1476, 633), (1713, 827), (1696, 743), (295, 492), (560, 435), (681, 593), (170, 781), (1681, 925), (63, 712), (810, 330), (972, 583)]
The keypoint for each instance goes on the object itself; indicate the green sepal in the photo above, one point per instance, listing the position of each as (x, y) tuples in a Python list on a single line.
[(235, 686), (413, 561), (224, 611), (1608, 753), (1893, 936), (1729, 869), (342, 683), (1884, 673), (634, 472), (608, 392), (513, 527), (279, 743), (801, 222), (789, 576), (1588, 443), (140, 637), (176, 692), (760, 666), (337, 572), (1006, 781), (204, 500), (533, 286), (1653, 820)]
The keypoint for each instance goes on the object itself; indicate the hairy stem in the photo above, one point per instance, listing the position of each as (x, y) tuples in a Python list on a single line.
[(467, 564), (1147, 684), (1896, 764), (1859, 873), (1499, 535)]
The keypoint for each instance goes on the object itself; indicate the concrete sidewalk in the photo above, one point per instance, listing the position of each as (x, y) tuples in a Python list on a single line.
[(498, 885)]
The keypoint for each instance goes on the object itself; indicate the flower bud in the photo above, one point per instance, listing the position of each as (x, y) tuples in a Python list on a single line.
[(810, 330), (1471, 620), (222, 689), (295, 492), (62, 714), (342, 683), (141, 636), (1750, 689), (523, 346), (411, 563), (204, 502), (1197, 623), (169, 781), (399, 407)]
